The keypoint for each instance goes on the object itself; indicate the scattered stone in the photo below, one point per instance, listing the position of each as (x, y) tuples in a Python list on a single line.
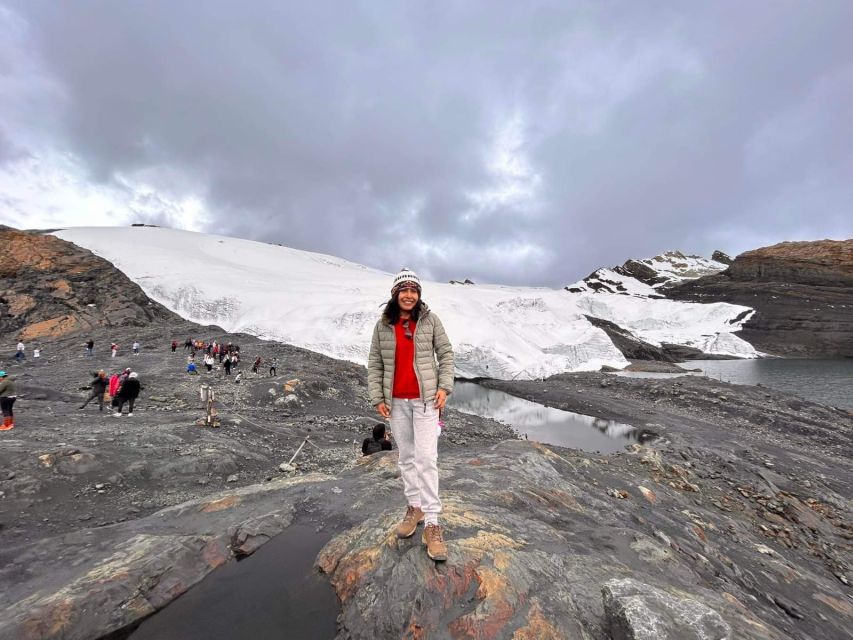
[(617, 493), (287, 468), (787, 607), (233, 477), (648, 494), (637, 611)]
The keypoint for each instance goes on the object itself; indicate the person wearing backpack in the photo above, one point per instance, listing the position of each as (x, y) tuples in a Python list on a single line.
[(410, 373)]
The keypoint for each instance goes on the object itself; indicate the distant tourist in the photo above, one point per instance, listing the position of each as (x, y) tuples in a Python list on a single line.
[(405, 385), (7, 399), (128, 393), (238, 377), (135, 348), (208, 362), (90, 345), (273, 364), (188, 344), (256, 364), (113, 350), (20, 353), (36, 353), (174, 345), (226, 363), (378, 442), (99, 388), (191, 369), (124, 376)]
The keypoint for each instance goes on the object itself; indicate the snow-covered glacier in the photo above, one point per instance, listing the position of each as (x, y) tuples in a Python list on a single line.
[(329, 305)]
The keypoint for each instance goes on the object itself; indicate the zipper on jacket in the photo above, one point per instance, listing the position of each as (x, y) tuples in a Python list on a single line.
[(415, 357)]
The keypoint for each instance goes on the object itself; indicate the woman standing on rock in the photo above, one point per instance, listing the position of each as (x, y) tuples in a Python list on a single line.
[(405, 383), (7, 399)]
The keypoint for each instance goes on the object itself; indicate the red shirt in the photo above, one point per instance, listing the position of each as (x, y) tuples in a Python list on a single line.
[(405, 382)]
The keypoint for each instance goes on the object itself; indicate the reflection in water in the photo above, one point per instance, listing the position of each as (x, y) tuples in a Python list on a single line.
[(545, 424)]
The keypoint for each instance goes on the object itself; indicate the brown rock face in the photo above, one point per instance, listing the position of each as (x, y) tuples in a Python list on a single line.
[(802, 293), (51, 288), (822, 263)]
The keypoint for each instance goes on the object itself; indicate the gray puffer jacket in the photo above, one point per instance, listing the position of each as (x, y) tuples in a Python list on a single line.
[(431, 342)]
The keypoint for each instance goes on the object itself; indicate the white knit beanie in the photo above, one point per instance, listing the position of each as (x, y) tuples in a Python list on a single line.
[(405, 276)]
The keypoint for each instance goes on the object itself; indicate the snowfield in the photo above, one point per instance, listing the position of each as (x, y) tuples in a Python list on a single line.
[(330, 305)]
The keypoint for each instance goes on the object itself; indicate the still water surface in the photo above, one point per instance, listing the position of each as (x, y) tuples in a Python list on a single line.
[(274, 593), (544, 424), (825, 381)]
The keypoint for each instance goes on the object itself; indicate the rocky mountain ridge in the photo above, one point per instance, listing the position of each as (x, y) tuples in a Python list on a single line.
[(50, 288), (802, 293), (643, 276)]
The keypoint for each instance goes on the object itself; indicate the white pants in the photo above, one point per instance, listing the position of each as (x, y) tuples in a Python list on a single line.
[(415, 428)]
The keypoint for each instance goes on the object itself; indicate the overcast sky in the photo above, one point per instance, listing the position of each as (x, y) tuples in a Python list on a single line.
[(509, 142)]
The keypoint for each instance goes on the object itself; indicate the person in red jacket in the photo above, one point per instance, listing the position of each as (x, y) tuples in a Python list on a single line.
[(409, 376)]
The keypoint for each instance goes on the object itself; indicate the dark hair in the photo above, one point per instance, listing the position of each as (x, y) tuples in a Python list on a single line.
[(379, 431), (392, 310)]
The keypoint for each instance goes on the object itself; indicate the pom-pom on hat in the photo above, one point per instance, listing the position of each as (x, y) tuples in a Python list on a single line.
[(405, 277)]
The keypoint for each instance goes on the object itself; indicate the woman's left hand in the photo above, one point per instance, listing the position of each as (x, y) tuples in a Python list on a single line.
[(440, 399)]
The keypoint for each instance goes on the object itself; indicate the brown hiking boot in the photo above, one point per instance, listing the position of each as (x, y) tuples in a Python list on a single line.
[(414, 516), (434, 541)]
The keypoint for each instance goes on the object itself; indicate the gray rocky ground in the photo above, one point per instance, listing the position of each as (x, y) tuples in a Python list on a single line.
[(734, 523)]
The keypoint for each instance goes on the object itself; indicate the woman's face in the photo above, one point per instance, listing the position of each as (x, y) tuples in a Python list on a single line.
[(407, 298)]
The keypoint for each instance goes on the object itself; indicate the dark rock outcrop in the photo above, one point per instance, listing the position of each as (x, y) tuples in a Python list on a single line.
[(719, 256), (632, 347), (802, 293), (52, 288)]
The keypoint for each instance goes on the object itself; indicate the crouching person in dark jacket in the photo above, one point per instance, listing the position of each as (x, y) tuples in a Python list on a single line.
[(379, 441), (128, 392)]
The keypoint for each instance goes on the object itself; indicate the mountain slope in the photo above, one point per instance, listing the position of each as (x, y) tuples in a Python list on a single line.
[(643, 277), (802, 293), (50, 288), (330, 305)]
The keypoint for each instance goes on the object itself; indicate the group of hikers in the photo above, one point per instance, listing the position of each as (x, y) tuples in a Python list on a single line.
[(21, 352), (410, 374), (122, 388), (227, 355)]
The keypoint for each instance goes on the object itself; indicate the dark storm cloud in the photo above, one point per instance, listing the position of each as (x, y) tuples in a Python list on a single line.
[(506, 142)]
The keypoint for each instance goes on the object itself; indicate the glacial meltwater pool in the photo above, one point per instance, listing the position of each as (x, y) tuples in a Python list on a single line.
[(825, 381), (274, 593), (545, 424)]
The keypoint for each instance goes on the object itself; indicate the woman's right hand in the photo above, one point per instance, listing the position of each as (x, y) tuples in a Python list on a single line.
[(383, 410)]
